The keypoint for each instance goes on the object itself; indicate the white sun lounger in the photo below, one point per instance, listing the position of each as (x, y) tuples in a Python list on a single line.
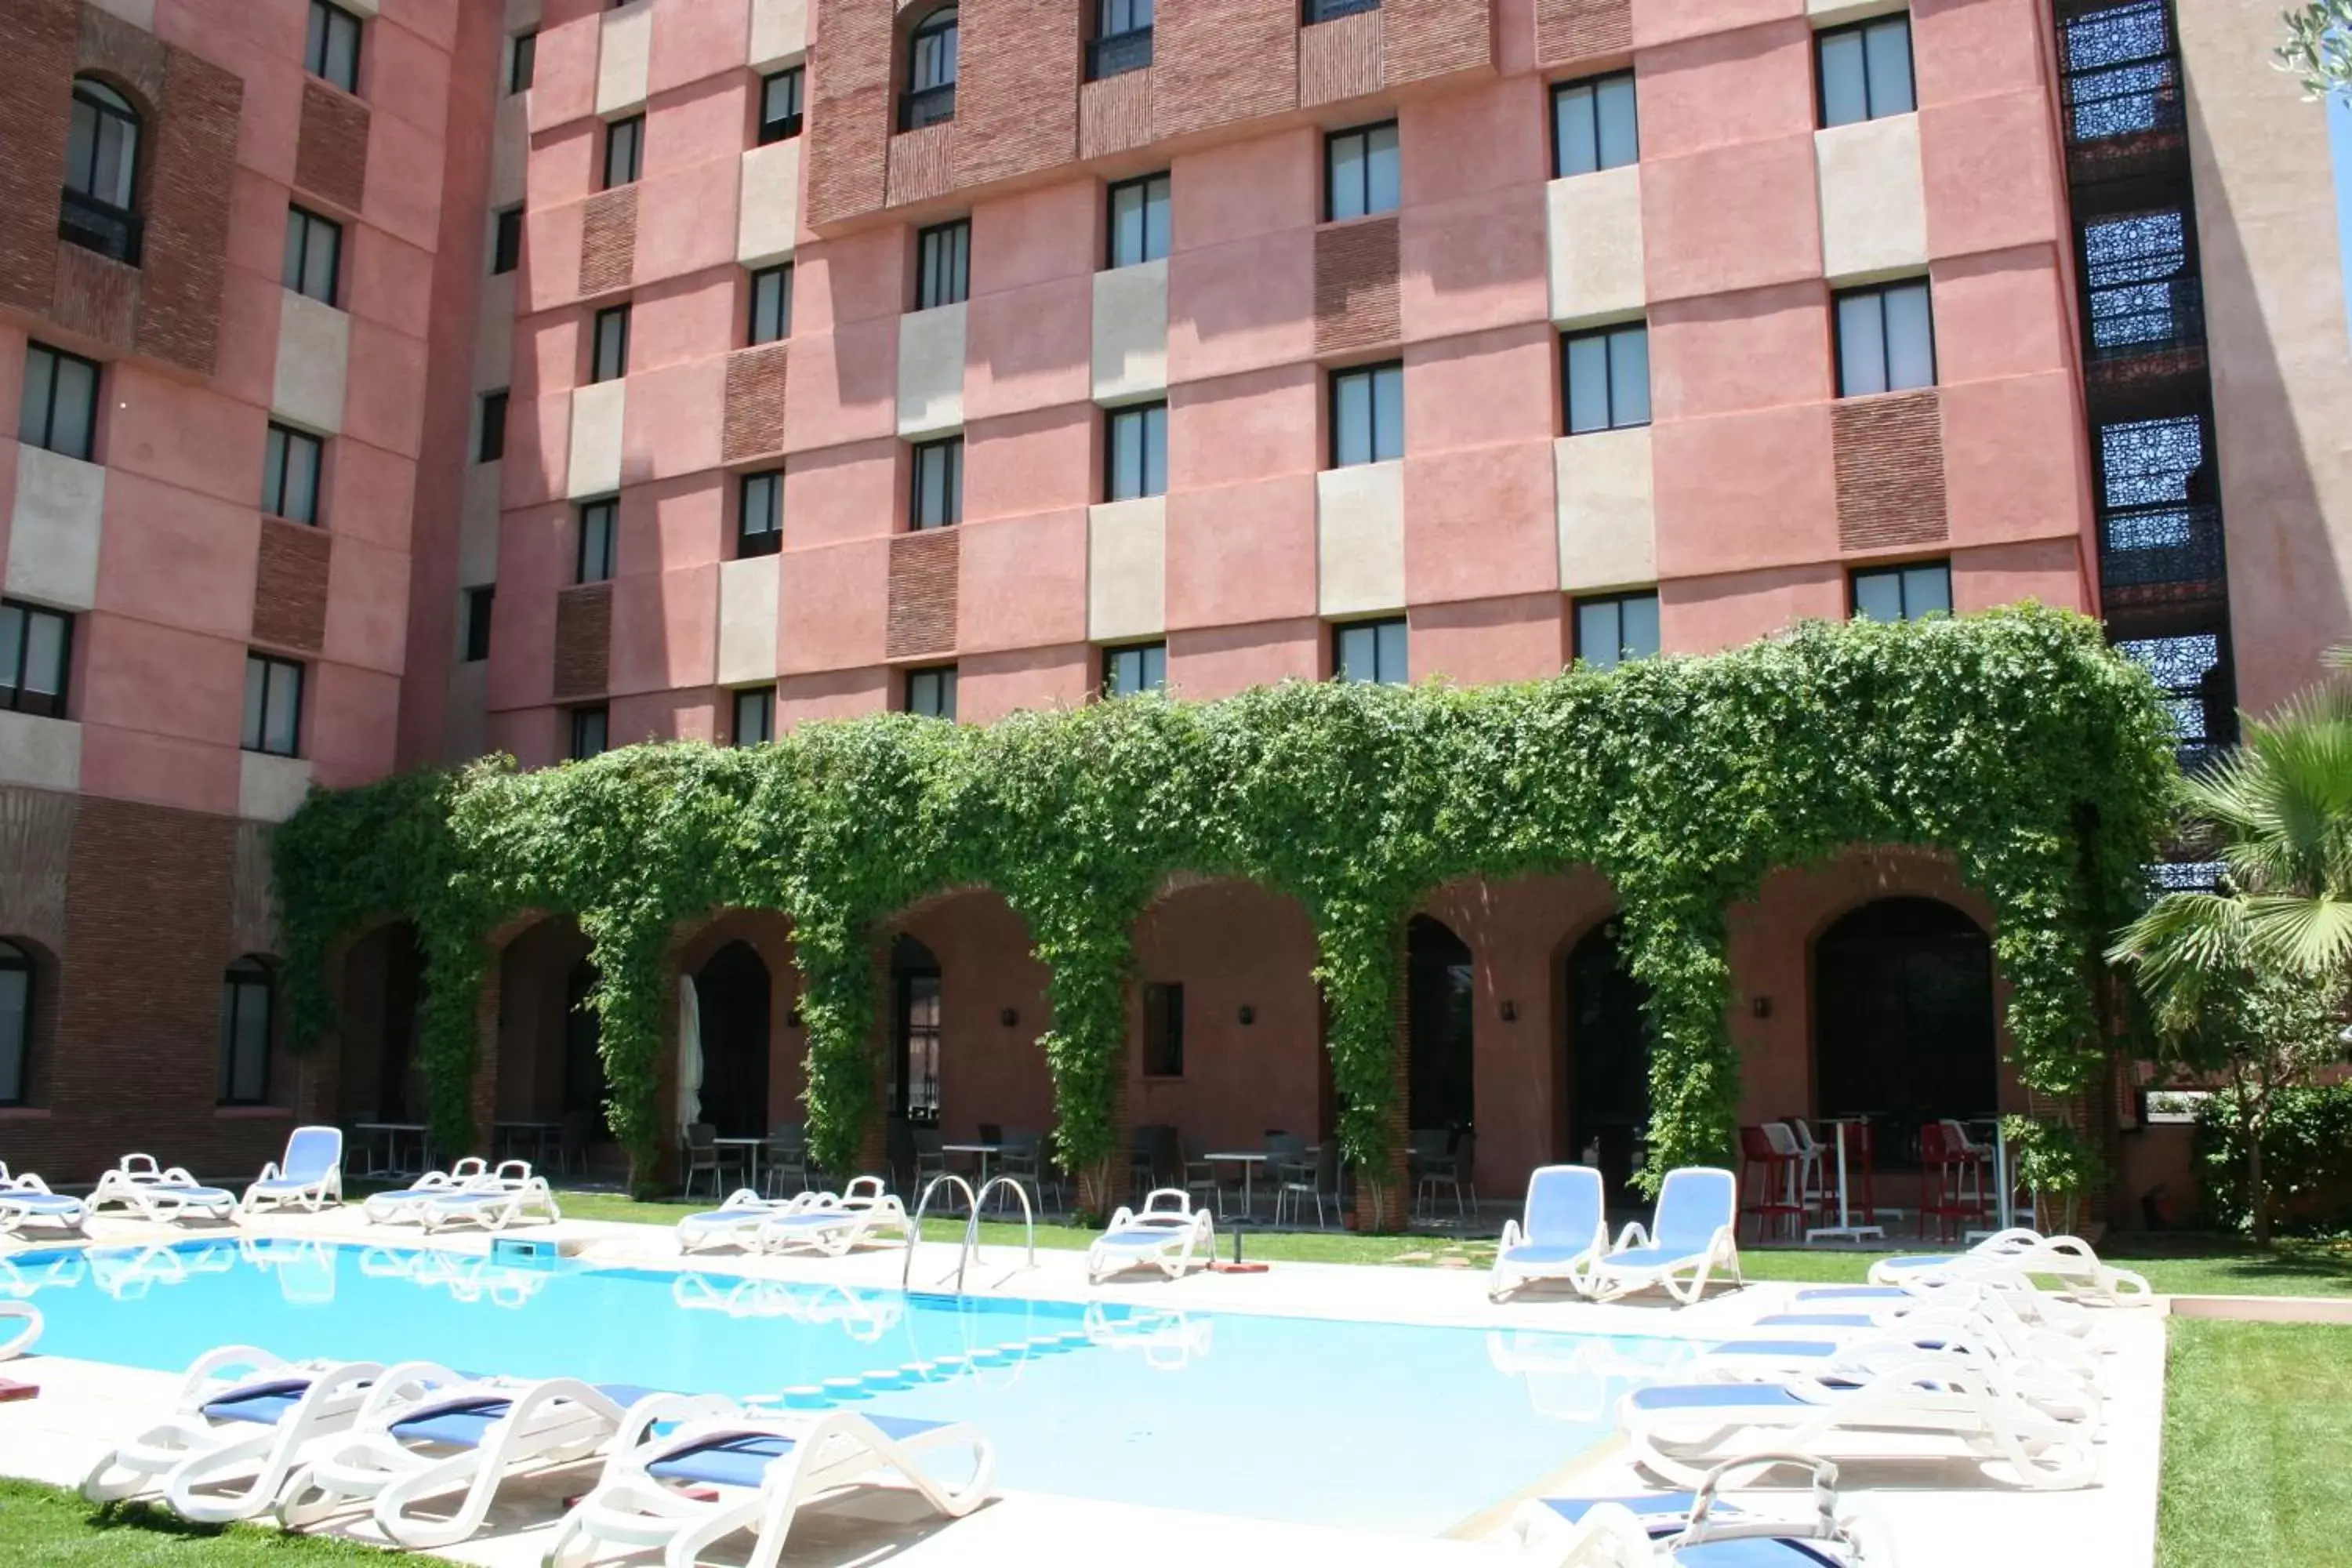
[(1654, 1529), (27, 1201), (151, 1192), (1565, 1229), (1855, 1349), (1690, 1240), (309, 1178), (399, 1204), (242, 1420), (2044, 1310), (21, 1340), (832, 1226), (735, 1222), (509, 1195), (1983, 1313), (2023, 1255), (762, 1467), (1164, 1234)]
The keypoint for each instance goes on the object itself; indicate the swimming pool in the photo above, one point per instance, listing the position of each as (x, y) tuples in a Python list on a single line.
[(1364, 1424)]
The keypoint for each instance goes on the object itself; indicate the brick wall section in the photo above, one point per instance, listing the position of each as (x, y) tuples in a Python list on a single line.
[(1115, 114), (1340, 59), (187, 212), (583, 639), (1217, 62), (113, 47), (37, 829), (1017, 88), (39, 39), (608, 241), (923, 574), (1573, 30), (252, 897), (1890, 470), (923, 164), (331, 159), (289, 585), (1424, 38), (755, 419), (1355, 285), (96, 296), (850, 109)]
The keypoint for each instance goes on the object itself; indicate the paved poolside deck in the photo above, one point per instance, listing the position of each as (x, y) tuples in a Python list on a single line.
[(1939, 1512)]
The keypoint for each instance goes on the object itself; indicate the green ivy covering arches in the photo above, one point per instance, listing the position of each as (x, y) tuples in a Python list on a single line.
[(2012, 741)]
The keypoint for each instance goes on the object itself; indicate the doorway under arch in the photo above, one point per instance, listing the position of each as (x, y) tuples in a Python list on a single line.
[(732, 991), (1439, 1027), (1607, 1049), (1903, 1020), (915, 1021), (584, 1090)]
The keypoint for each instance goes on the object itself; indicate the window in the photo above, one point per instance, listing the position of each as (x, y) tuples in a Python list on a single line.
[(772, 304), (491, 441), (314, 255), (1359, 171), (476, 646), (1128, 671), (939, 484), (1865, 71), (625, 148), (1163, 1030), (599, 521), (101, 173), (931, 693), (273, 705), (608, 353), (1139, 220), (1903, 593), (1369, 650), (1122, 40), (522, 64), (1885, 339), (760, 526), (1366, 414), (1331, 10), (36, 654), (60, 411), (755, 717), (589, 727), (779, 105), (290, 475), (1605, 378), (333, 51), (15, 1023), (930, 72), (943, 265), (506, 242), (1610, 631), (248, 1003), (1138, 458), (1593, 126)]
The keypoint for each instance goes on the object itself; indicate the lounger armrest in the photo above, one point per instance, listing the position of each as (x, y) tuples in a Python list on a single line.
[(1512, 1236), (1635, 1235), (207, 1367), (403, 1384)]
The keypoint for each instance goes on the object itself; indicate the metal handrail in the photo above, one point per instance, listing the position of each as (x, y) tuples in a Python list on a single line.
[(915, 1226), (972, 1226)]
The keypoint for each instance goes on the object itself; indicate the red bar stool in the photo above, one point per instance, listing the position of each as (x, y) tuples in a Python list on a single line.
[(1946, 1171), (1775, 1194)]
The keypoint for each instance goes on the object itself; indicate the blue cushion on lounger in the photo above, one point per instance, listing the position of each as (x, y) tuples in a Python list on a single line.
[(1141, 1238), (726, 1216), (1856, 1293), (264, 1404), (195, 1195), (1778, 1347), (1761, 1551), (1649, 1257), (1938, 1261), (458, 1425), (40, 1203), (738, 1461), (1712, 1395), (1815, 1321), (1574, 1508), (1540, 1255)]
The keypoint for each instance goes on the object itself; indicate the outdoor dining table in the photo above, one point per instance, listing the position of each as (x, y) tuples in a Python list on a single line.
[(535, 1136), (981, 1152), (392, 1133), (1845, 1229), (750, 1147), (1249, 1161)]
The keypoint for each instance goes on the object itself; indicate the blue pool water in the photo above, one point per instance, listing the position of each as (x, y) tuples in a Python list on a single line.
[(1370, 1425)]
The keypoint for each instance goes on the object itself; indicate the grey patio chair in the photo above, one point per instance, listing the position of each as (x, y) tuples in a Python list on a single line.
[(787, 1159), (702, 1152), (1442, 1161), (1300, 1178)]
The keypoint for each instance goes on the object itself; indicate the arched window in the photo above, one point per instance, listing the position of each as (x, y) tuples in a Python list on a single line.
[(248, 1009), (931, 71), (102, 172), (15, 1023), (1903, 1020)]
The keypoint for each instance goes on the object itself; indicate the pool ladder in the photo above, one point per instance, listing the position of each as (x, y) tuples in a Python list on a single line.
[(974, 1202)]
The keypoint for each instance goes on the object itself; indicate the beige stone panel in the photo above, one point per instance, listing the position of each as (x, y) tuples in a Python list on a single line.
[(930, 371), (624, 51), (1874, 199), (769, 214), (1594, 224), (596, 414), (779, 32), (1608, 511), (53, 535), (271, 789), (1359, 538), (1131, 341), (314, 355), (494, 334), (140, 14), (43, 752), (465, 724), (748, 598), (478, 526), (1126, 569), (509, 149), (523, 15)]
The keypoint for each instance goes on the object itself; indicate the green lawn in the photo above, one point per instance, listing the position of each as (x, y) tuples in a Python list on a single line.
[(58, 1530), (2257, 1419)]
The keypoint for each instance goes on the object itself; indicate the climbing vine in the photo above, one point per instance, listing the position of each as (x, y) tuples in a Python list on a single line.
[(2014, 742)]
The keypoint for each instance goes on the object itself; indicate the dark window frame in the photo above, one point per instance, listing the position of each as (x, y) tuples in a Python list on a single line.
[(635, 164), (953, 503), (1617, 656), (1821, 39), (783, 127), (1162, 1038), (281, 438), (490, 432), (945, 690), (608, 509), (749, 542), (1331, 140), (1901, 572), (15, 698), (301, 226), (943, 245), (1375, 624), (239, 981), (1879, 291), (1119, 42), (782, 272), (1560, 92), (272, 667), (58, 359), (1371, 373), (88, 218), (1165, 180), (932, 102), (598, 372), (16, 958), (318, 45), (1113, 420), (1142, 652), (1607, 337), (766, 697), (1314, 10), (505, 240), (522, 62), (598, 714), (475, 609)]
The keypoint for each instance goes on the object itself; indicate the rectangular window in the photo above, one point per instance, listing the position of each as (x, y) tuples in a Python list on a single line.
[(314, 255), (780, 106), (333, 52), (589, 732), (522, 63), (1366, 414), (1163, 1030), (36, 654), (939, 484), (1361, 173), (624, 149), (248, 1005), (1605, 378), (1885, 339), (476, 644), (491, 441), (772, 304), (1122, 40), (273, 705), (1130, 671), (1140, 220), (1903, 593), (931, 693), (599, 522), (760, 526), (943, 265), (755, 717), (1611, 630), (1332, 10), (1369, 650), (290, 475), (60, 410), (1865, 71), (609, 346), (1593, 126), (15, 1023), (1137, 461), (505, 241)]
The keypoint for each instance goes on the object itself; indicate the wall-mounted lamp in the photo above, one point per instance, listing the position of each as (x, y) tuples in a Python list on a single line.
[(1008, 1017), (792, 1020), (1249, 1015), (1761, 1007), (1509, 1010)]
